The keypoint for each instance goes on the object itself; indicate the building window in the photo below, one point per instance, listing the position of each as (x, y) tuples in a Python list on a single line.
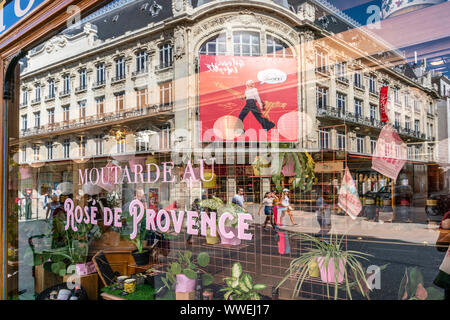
[(101, 76), (82, 79), (341, 71), (120, 102), (416, 126), (142, 99), (51, 116), (51, 89), (322, 97), (360, 144), (37, 93), (396, 95), (120, 146), (277, 48), (98, 145), (397, 120), (357, 79), (24, 154), (416, 106), (120, 68), (430, 108), (49, 147), (37, 120), (82, 108), (373, 146), (373, 112), (408, 123), (246, 44), (410, 152), (341, 102), (66, 84), (141, 62), (372, 84), (341, 141), (407, 100), (36, 152), (215, 46), (24, 97), (66, 115), (321, 61), (66, 149), (166, 93), (165, 56), (165, 138), (358, 108), (430, 130), (25, 122), (417, 153), (324, 138), (100, 102)]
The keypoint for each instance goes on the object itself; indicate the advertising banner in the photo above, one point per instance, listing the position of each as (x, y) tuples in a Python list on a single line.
[(348, 196), (251, 98), (383, 103), (390, 153)]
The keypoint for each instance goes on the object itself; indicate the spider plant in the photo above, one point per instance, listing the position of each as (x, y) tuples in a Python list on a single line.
[(332, 255)]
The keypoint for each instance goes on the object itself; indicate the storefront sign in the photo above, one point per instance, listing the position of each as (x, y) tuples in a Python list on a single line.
[(13, 11), (329, 166), (390, 153), (383, 103), (348, 196), (248, 97)]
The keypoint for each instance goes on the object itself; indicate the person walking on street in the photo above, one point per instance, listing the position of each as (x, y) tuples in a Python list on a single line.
[(268, 208), (238, 198), (285, 206)]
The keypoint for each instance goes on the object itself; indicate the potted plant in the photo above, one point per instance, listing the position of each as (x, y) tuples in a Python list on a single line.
[(182, 274), (141, 255), (412, 288), (240, 286), (217, 205), (337, 266)]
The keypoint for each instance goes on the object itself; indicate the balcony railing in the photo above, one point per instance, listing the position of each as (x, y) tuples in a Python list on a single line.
[(64, 93), (139, 72), (50, 98), (359, 86), (342, 79), (100, 118), (98, 84), (35, 101), (81, 89), (118, 79)]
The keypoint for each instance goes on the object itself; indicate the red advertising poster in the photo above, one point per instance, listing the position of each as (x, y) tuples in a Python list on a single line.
[(390, 153), (383, 104), (348, 196), (249, 98)]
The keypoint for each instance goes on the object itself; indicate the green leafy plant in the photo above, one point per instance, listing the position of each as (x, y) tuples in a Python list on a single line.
[(354, 275), (240, 286), (189, 267), (127, 229), (304, 167), (412, 288), (72, 247), (217, 205)]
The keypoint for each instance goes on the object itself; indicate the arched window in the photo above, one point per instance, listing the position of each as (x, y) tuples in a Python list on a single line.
[(215, 46), (246, 44), (277, 48)]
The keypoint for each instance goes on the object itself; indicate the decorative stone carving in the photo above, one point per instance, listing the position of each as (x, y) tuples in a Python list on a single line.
[(307, 12), (55, 44), (179, 42)]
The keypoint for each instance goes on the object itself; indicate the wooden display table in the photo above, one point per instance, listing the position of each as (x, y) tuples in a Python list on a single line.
[(88, 282)]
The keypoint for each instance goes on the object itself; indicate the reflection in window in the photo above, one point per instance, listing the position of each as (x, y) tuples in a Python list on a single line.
[(66, 148), (166, 93), (322, 97), (141, 62), (98, 145), (66, 110), (246, 44), (37, 120), (360, 144), (341, 141), (142, 99), (51, 116), (358, 108), (120, 102), (321, 61), (100, 70), (324, 138), (49, 147), (341, 102), (120, 146), (215, 46), (165, 56), (277, 48), (120, 68), (100, 103), (36, 152)]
